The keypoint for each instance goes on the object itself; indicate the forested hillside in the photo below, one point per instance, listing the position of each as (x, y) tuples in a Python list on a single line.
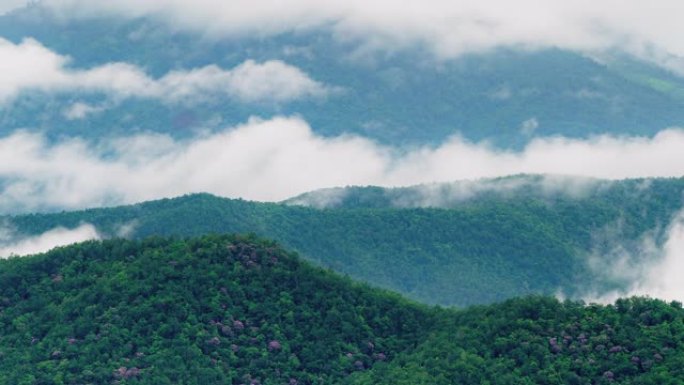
[(216, 310), (238, 310), (541, 341), (480, 251)]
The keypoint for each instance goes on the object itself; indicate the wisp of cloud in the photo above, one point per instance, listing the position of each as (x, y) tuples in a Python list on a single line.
[(17, 245), (652, 269)]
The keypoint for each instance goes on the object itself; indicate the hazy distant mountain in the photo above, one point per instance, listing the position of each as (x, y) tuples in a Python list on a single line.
[(505, 96), (513, 189)]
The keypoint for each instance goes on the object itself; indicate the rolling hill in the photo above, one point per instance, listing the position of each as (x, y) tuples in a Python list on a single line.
[(481, 250), (239, 310)]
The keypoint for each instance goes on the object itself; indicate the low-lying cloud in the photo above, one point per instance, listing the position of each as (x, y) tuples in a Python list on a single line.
[(650, 30), (654, 267), (29, 66), (272, 160), (453, 194), (16, 245)]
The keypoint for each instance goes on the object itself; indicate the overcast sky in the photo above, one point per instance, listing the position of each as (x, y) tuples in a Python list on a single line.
[(649, 29)]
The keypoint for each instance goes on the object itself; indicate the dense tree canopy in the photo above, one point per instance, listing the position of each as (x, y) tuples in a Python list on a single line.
[(239, 310), (217, 310)]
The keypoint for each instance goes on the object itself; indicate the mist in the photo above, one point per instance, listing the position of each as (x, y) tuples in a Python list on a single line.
[(651, 266), (12, 244), (279, 158)]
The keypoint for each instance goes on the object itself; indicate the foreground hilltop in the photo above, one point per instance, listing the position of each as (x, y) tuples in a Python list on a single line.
[(216, 310), (230, 309)]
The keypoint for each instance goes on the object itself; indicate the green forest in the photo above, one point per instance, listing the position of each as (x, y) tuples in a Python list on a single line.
[(475, 252), (241, 310)]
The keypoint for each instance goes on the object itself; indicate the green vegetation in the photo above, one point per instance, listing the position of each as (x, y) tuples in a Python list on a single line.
[(541, 341), (238, 310), (480, 251), (217, 310)]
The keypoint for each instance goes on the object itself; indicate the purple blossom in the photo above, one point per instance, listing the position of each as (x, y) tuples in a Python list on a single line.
[(274, 345), (124, 372)]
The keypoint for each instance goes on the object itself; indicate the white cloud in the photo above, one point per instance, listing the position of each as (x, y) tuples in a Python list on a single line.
[(529, 126), (276, 159), (449, 28), (31, 66), (81, 110), (452, 194), (59, 236), (10, 5), (650, 269)]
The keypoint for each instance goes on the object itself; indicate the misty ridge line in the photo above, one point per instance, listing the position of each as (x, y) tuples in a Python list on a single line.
[(454, 193), (651, 269), (282, 157)]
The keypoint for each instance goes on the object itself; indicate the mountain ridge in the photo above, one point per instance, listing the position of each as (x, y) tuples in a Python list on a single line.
[(476, 252)]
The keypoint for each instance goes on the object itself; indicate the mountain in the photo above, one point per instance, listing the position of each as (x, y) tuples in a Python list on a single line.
[(542, 341), (239, 310), (506, 243), (402, 97), (514, 189), (214, 310)]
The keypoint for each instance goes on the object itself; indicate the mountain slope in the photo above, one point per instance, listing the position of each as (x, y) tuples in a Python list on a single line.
[(542, 341), (206, 311), (479, 251), (238, 310)]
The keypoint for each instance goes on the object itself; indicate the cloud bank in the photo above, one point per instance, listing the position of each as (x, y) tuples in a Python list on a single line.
[(13, 245), (271, 160), (650, 30), (29, 66)]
